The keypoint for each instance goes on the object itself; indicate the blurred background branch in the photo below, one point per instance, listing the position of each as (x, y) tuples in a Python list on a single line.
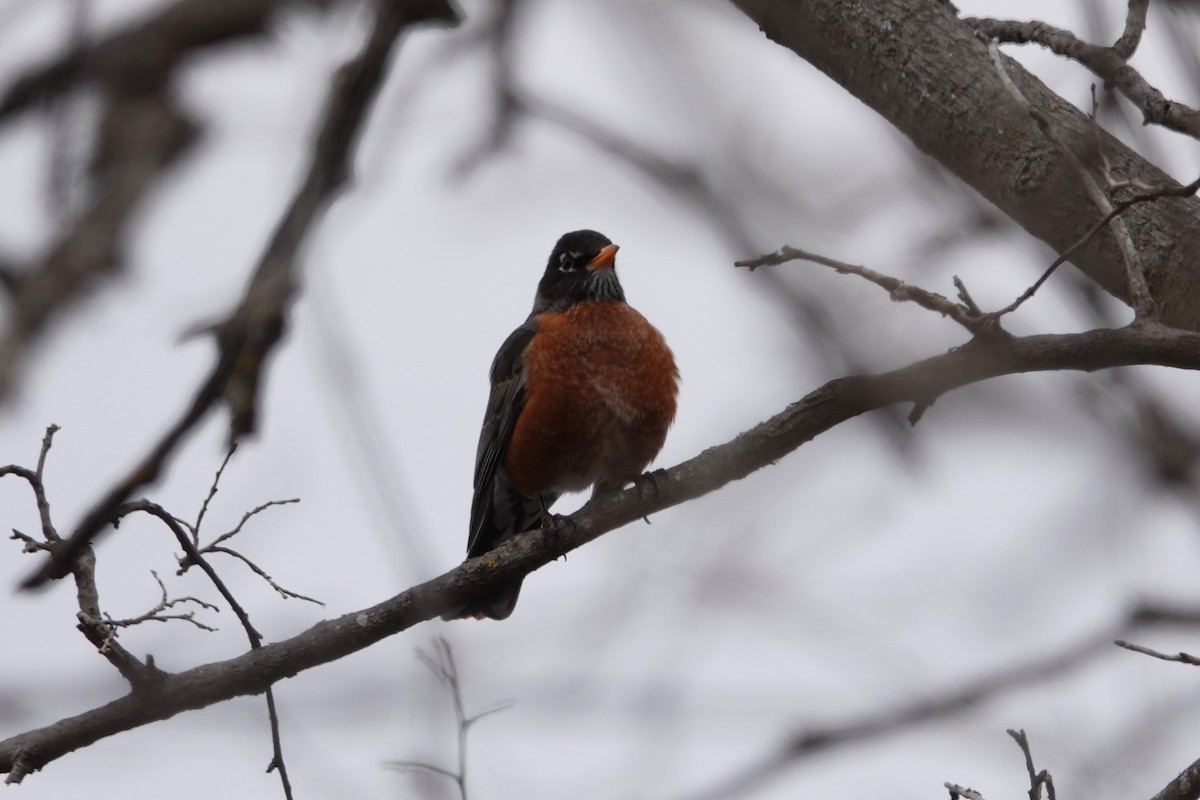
[(247, 336)]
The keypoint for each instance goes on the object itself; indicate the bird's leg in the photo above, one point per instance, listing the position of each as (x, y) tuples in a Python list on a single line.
[(647, 484), (552, 524), (546, 518)]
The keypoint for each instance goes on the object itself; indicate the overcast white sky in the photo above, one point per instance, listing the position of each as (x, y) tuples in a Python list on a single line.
[(869, 569)]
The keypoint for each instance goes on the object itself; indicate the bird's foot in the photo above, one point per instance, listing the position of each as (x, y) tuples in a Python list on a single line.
[(554, 527), (648, 486)]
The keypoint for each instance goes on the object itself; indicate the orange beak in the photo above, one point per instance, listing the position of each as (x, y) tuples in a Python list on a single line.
[(604, 258)]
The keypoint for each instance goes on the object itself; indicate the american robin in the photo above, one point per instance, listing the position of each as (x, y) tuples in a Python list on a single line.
[(582, 395)]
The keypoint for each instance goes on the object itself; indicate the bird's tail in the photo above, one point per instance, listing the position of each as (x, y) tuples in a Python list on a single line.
[(498, 605)]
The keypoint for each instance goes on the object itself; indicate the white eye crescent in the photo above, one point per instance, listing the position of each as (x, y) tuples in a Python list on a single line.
[(567, 262)]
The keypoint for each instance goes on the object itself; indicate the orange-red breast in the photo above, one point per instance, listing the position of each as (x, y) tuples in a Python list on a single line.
[(582, 396)]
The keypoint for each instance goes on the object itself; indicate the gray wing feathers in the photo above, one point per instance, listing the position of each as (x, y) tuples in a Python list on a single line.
[(497, 508)]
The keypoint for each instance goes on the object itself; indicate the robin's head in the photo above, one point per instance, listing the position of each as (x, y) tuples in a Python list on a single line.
[(581, 267)]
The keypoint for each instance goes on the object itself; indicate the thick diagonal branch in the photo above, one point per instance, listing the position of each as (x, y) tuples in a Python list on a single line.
[(765, 444)]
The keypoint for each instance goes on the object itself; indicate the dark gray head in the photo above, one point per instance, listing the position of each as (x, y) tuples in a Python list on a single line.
[(581, 267)]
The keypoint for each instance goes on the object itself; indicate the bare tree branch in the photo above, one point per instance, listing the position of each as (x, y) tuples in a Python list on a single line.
[(155, 510), (808, 744), (1037, 780), (194, 528), (215, 546), (897, 290), (65, 155), (1107, 62), (441, 664), (194, 557), (957, 791), (246, 518), (158, 612), (1181, 657), (1185, 786), (154, 46), (93, 623), (765, 444), (283, 592), (1135, 278), (878, 53), (1135, 26), (249, 334), (1146, 196), (140, 135)]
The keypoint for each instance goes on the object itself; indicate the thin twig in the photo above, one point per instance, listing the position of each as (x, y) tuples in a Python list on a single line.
[(194, 556), (251, 333), (34, 477), (87, 596), (1118, 209), (957, 791), (1037, 780), (39, 488), (1139, 293), (32, 545), (156, 614), (1180, 657), (245, 518), (1108, 63), (215, 546), (185, 562), (212, 492), (897, 289), (965, 297), (257, 570), (442, 665), (968, 315), (277, 762), (185, 541), (190, 558)]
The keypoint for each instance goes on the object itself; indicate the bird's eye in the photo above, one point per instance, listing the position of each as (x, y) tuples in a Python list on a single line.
[(567, 262)]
